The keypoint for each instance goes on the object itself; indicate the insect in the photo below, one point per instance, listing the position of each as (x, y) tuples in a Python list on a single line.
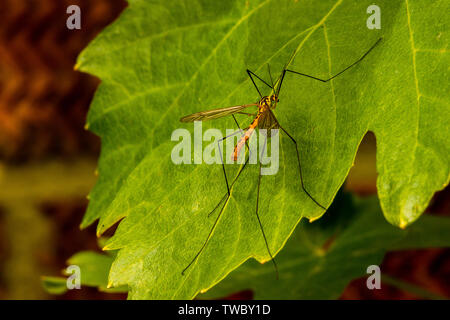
[(263, 119)]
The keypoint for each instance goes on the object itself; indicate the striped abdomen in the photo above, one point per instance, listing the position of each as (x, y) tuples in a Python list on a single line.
[(245, 137)]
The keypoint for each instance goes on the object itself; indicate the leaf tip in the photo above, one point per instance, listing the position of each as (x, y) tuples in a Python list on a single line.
[(311, 220), (403, 224), (83, 224)]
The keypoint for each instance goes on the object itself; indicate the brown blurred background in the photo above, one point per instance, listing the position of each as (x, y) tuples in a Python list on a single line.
[(48, 160)]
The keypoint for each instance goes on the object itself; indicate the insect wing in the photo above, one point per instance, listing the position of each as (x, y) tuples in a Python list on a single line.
[(215, 113), (268, 121)]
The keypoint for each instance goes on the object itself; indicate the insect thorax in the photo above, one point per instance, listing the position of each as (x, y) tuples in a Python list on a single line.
[(268, 101)]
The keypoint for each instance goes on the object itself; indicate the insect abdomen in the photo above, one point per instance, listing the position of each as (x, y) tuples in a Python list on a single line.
[(245, 137)]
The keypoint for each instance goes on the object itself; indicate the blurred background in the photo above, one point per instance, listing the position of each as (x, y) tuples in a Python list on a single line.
[(48, 160)]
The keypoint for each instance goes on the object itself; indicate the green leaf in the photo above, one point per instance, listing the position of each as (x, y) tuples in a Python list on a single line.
[(94, 269), (321, 258), (54, 285), (165, 59)]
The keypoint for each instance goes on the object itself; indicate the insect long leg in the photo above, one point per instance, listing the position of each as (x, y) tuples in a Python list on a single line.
[(251, 74), (257, 206), (223, 164), (281, 82), (217, 219), (225, 197), (334, 76), (221, 156), (300, 169), (227, 194), (207, 239)]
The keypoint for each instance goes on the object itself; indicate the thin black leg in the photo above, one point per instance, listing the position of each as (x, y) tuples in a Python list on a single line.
[(207, 239), (251, 74), (300, 169), (225, 197), (281, 81), (223, 164), (256, 212), (221, 157), (340, 72)]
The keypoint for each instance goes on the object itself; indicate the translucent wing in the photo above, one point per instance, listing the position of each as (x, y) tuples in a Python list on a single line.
[(268, 121), (216, 113)]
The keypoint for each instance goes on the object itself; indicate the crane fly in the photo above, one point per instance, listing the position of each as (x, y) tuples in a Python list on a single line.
[(264, 119)]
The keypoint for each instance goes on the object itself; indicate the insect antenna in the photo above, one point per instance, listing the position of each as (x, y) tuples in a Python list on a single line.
[(270, 75)]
